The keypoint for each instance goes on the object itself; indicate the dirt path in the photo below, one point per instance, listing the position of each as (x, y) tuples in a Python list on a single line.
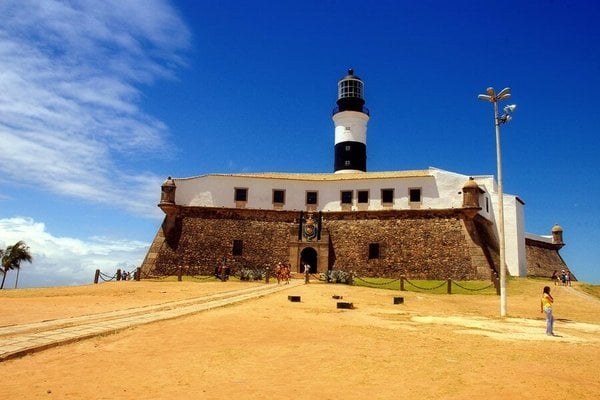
[(21, 339), (431, 347)]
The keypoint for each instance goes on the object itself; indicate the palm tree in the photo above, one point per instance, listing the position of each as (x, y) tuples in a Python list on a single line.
[(12, 258)]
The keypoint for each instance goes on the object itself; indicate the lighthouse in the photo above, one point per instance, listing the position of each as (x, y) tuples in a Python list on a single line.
[(350, 118)]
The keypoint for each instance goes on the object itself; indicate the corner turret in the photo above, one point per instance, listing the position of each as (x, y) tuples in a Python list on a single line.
[(471, 191), (557, 235)]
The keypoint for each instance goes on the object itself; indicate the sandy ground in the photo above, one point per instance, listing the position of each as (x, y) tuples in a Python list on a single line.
[(431, 347)]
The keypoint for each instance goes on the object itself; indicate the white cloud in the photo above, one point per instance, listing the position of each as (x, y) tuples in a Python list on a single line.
[(65, 260), (70, 78)]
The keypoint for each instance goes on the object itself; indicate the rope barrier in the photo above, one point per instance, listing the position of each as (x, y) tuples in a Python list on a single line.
[(202, 278), (471, 289), (254, 274), (157, 277), (376, 284), (106, 277), (422, 288), (164, 275)]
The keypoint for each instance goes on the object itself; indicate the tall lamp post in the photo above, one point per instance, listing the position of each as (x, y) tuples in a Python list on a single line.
[(494, 98)]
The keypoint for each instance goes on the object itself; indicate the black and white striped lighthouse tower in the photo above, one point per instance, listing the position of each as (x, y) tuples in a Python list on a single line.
[(350, 118)]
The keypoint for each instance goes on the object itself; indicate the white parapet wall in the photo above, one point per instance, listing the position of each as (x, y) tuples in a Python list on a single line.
[(439, 190)]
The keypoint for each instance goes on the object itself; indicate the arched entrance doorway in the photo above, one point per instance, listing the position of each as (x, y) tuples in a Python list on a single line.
[(308, 256)]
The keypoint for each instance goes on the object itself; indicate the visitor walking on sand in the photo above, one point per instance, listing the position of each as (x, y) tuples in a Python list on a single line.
[(546, 307)]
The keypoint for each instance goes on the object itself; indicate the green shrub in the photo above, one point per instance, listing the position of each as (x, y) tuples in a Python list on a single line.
[(335, 276)]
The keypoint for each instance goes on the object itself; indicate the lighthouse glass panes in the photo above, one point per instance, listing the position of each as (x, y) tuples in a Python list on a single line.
[(350, 88)]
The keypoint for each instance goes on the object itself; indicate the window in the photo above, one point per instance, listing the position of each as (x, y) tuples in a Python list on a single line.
[(487, 205), (373, 251), (347, 163), (414, 195), (348, 148), (363, 196), (346, 196), (350, 88), (241, 194), (238, 247), (311, 197), (387, 195), (278, 196)]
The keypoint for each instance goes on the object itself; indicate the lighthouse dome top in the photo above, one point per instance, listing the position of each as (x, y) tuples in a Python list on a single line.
[(351, 75)]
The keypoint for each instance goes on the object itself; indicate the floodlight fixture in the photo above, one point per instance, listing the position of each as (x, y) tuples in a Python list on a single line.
[(494, 98), (504, 94)]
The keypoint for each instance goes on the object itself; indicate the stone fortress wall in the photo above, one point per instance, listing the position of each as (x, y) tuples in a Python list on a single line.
[(431, 244)]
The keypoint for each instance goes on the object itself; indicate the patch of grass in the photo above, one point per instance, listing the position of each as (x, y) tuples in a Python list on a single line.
[(593, 290)]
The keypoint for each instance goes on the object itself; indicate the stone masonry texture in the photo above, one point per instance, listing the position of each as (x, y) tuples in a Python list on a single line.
[(418, 244)]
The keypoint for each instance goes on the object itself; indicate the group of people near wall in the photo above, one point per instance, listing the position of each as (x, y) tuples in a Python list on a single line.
[(222, 272), (562, 279), (283, 272)]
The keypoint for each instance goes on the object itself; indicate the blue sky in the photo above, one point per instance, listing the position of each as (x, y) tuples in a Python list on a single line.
[(101, 101)]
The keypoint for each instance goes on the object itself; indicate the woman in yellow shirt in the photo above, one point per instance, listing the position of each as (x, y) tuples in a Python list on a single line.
[(546, 307)]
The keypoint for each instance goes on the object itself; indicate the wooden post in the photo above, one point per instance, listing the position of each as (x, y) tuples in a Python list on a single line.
[(179, 273), (97, 276), (449, 286), (119, 275), (497, 284), (267, 275), (402, 284), (138, 274)]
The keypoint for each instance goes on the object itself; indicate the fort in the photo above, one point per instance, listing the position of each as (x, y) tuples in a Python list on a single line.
[(428, 224)]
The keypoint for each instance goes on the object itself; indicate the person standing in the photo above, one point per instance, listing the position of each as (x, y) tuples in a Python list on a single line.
[(306, 272), (287, 271), (279, 272), (546, 307), (554, 277)]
